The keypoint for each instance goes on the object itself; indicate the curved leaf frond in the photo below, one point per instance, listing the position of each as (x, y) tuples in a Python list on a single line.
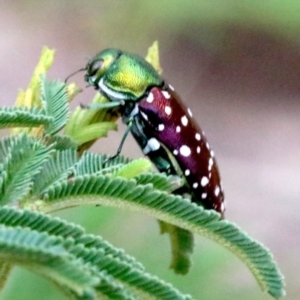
[(45, 255), (57, 168), (13, 217), (55, 226), (109, 287), (24, 158), (160, 181), (72, 251), (23, 117), (116, 161), (92, 241), (91, 163), (137, 280), (55, 101), (133, 168), (60, 142), (173, 209)]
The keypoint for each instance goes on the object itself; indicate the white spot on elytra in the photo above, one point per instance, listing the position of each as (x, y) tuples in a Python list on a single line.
[(168, 110), (144, 115), (185, 150), (184, 120), (223, 206), (178, 129), (166, 94), (198, 149), (161, 127), (204, 181), (187, 172), (152, 145), (207, 145), (150, 98), (195, 185), (171, 87), (175, 152), (210, 163), (203, 195), (198, 136), (190, 112), (212, 154), (217, 191)]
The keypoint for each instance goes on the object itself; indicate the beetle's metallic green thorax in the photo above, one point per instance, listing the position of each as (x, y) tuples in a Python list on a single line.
[(121, 76)]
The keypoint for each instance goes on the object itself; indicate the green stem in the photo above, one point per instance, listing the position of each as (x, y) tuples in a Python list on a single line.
[(5, 270)]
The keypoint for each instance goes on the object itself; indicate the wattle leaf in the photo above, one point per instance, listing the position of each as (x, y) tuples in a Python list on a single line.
[(118, 192)]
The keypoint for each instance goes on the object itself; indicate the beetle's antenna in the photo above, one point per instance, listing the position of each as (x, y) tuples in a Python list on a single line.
[(80, 70)]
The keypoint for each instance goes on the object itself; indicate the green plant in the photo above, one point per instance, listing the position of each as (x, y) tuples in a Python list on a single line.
[(43, 171)]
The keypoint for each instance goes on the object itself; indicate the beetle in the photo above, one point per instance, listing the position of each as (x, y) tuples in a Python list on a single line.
[(161, 124)]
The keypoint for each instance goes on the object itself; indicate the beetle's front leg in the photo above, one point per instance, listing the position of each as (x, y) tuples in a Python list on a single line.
[(129, 125)]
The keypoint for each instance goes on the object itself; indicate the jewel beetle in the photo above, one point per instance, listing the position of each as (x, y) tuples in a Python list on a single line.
[(161, 124)]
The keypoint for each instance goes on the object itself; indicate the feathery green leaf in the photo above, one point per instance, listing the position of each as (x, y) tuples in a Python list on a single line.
[(133, 168), (24, 159), (173, 209), (109, 287), (45, 255), (55, 101), (59, 167), (10, 216), (160, 181), (89, 163), (118, 272), (136, 280), (60, 142), (23, 117)]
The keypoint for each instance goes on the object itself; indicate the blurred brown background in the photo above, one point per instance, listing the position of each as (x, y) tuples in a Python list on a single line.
[(237, 65)]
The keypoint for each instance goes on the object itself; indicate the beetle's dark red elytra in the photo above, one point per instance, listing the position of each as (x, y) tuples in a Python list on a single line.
[(172, 124)]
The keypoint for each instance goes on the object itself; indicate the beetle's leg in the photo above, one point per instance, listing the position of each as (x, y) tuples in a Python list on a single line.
[(101, 105), (129, 125)]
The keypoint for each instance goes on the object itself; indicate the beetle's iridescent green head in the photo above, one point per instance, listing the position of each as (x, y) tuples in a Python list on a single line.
[(121, 76)]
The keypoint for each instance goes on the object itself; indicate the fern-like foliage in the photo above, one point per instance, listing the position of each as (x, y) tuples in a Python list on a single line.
[(80, 263), (23, 117), (60, 142), (57, 168), (54, 99), (172, 209), (160, 181), (20, 159), (89, 163)]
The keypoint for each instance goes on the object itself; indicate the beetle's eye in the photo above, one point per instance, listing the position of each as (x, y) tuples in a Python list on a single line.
[(95, 66)]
